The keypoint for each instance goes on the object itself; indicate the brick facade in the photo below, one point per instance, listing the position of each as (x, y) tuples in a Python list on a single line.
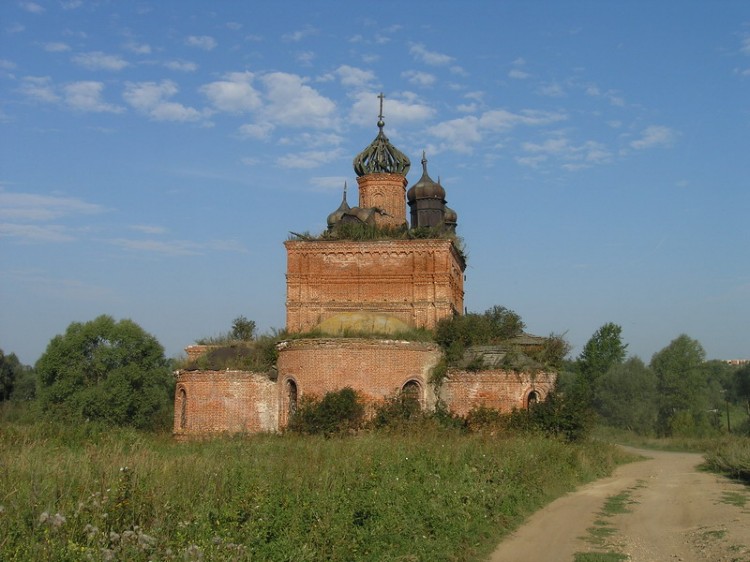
[(210, 402), (498, 389), (386, 192), (377, 369), (418, 281)]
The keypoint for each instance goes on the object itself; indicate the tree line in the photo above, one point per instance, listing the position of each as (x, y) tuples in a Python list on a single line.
[(679, 392), (116, 373)]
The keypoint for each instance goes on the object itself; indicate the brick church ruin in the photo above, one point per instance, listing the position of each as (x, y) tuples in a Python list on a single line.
[(349, 301)]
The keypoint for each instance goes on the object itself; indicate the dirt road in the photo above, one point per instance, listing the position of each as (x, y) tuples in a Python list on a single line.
[(674, 512)]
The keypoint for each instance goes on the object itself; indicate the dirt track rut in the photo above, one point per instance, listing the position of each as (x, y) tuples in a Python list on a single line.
[(676, 512)]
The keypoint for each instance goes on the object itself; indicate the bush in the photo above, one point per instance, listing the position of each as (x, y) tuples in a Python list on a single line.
[(338, 412), (396, 411)]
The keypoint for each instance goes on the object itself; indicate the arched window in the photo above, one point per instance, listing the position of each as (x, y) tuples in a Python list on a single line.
[(532, 399), (182, 397), (291, 395), (412, 390)]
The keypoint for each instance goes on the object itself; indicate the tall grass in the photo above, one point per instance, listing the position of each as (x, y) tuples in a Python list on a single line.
[(89, 494)]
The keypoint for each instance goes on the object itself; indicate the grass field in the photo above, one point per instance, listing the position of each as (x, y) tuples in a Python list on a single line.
[(430, 494)]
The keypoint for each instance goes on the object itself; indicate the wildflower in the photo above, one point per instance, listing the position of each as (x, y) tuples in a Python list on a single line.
[(193, 553), (90, 531), (43, 517), (107, 554), (146, 541), (114, 537), (58, 520), (2, 510)]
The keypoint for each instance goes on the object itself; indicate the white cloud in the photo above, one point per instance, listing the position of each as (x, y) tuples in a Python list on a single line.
[(179, 248), (308, 159), (148, 229), (33, 207), (463, 133), (418, 78), (433, 58), (297, 36), (39, 88), (182, 66), (403, 108), (458, 134), (329, 183), (36, 233), (205, 42), (151, 98), (32, 7), (501, 119), (56, 47), (654, 136), (305, 58), (87, 96), (260, 131), (234, 94), (71, 4), (312, 140), (97, 60), (553, 90), (573, 157), (138, 48), (745, 47), (354, 77), (5, 64), (518, 74), (29, 216), (291, 102)]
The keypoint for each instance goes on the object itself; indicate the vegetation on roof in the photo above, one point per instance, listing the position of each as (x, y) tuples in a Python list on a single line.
[(364, 232)]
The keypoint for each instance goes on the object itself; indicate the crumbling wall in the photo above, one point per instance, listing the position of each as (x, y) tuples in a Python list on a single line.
[(209, 402), (500, 389)]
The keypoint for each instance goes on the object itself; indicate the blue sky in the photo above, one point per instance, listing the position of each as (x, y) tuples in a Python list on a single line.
[(156, 154)]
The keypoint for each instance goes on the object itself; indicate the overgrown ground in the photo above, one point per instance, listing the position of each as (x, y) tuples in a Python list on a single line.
[(432, 494)]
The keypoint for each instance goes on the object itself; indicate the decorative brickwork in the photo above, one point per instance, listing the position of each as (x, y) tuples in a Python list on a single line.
[(209, 402), (418, 281), (498, 389), (386, 192)]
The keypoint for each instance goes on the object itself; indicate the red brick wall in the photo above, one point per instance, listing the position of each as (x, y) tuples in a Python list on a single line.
[(224, 401), (499, 389), (386, 192), (376, 368), (418, 281)]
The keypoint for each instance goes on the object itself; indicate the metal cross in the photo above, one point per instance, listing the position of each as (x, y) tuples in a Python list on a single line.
[(381, 96)]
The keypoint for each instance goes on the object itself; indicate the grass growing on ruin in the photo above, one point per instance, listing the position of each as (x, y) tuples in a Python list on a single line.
[(83, 493)]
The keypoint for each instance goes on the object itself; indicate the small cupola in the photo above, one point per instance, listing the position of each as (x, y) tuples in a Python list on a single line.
[(426, 187), (335, 217)]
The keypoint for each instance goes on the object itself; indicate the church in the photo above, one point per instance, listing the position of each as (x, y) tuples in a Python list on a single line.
[(353, 295)]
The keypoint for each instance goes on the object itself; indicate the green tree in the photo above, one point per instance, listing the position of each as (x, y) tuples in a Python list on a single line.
[(108, 371), (625, 396), (681, 385), (601, 352), (243, 329), (458, 332), (741, 384), (10, 368)]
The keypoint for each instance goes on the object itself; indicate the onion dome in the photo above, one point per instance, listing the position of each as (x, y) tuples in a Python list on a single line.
[(338, 214), (450, 217), (425, 188), (381, 157)]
